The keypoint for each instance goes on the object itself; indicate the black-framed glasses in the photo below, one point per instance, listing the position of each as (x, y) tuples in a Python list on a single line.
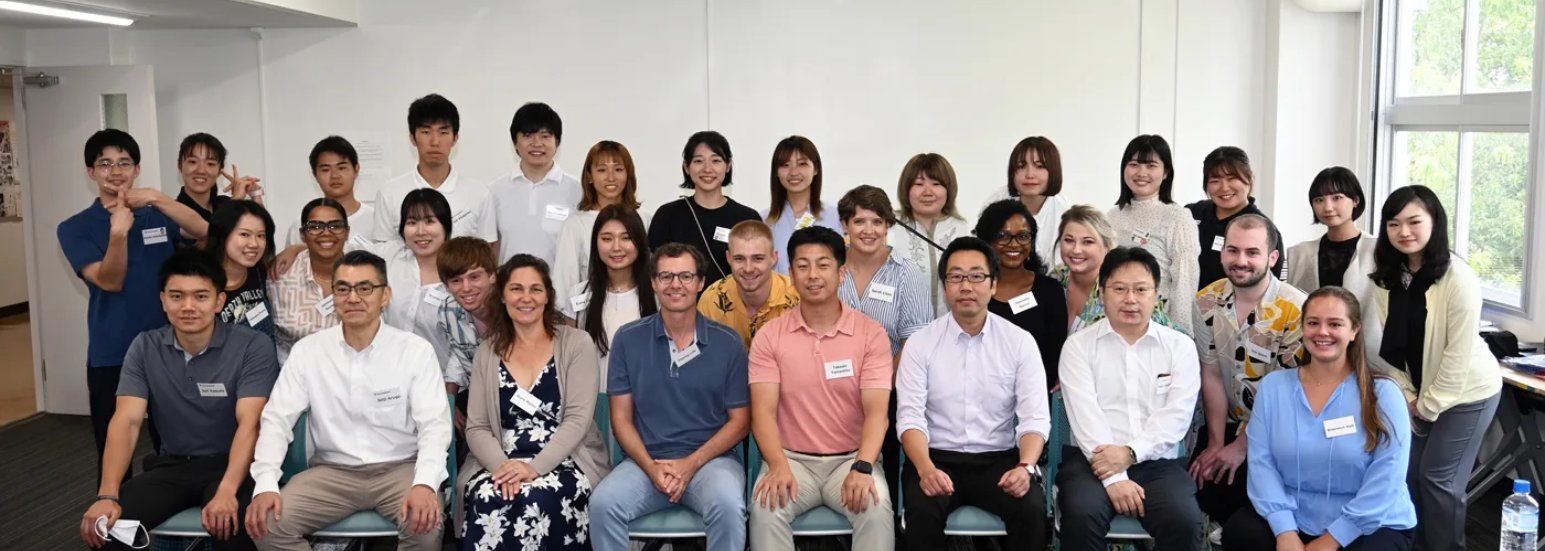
[(973, 277), (686, 278), (1024, 237), (364, 288), (316, 227)]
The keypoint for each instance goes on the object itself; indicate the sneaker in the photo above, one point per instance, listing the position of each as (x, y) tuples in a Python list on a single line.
[(1215, 533)]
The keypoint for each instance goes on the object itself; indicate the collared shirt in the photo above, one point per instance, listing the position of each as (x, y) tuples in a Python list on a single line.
[(925, 255), (215, 201), (1271, 338), (362, 228), (897, 297), (722, 302), (113, 319), (531, 213), (821, 378), (783, 228), (472, 214), (381, 404), (1093, 310), (677, 409), (620, 309), (301, 305), (972, 394), (1136, 395), (458, 332), (200, 392), (414, 304)]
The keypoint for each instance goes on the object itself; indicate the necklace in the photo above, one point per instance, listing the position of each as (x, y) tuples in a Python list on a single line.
[(1317, 382)]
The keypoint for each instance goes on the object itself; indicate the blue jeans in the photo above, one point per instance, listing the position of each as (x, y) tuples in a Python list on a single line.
[(717, 491)]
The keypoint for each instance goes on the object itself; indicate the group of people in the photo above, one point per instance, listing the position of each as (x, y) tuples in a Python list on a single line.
[(489, 324)]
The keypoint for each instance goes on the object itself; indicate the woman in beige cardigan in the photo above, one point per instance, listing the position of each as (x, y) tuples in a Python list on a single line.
[(1430, 303), (536, 449)]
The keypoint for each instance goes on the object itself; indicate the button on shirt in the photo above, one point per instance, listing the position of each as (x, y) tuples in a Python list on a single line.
[(1139, 395), (524, 207), (458, 333), (114, 319), (965, 392), (783, 228), (381, 404), (198, 391), (677, 410), (472, 214), (909, 307), (821, 378), (1271, 338)]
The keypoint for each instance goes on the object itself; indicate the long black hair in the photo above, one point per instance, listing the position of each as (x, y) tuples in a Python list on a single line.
[(223, 222), (593, 322), (1387, 260)]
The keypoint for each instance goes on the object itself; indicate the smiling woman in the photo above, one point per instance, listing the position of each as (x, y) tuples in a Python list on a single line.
[(241, 241), (303, 296), (1147, 217)]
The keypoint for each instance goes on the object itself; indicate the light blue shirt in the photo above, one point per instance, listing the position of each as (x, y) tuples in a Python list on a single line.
[(787, 222), (972, 394), (909, 307), (1302, 480)]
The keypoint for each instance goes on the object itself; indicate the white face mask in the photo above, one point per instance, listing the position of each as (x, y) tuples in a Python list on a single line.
[(126, 531)]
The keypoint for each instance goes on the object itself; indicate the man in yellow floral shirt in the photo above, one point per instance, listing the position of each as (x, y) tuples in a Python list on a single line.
[(753, 294)]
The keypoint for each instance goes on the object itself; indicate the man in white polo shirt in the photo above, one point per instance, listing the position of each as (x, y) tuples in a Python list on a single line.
[(533, 201), (434, 125)]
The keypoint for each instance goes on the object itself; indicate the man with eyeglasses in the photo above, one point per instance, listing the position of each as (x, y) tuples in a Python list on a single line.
[(680, 402), (116, 246), (972, 411), (335, 166), (379, 424), (1130, 386)]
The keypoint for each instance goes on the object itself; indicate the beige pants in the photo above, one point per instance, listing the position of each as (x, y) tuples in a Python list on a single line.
[(819, 481), (325, 493)]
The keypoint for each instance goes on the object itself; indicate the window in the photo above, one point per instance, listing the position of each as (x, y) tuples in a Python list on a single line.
[(1455, 116)]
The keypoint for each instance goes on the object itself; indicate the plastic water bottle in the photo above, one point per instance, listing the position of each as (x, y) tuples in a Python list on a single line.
[(1520, 518)]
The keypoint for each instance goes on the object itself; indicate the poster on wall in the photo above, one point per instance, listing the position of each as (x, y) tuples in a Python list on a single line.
[(10, 184)]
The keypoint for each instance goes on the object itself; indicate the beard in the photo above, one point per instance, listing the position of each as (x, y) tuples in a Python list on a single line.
[(1248, 281)]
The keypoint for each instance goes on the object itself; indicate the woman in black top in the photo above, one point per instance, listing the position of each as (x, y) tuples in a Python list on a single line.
[(1025, 295), (1229, 183), (241, 240), (703, 219)]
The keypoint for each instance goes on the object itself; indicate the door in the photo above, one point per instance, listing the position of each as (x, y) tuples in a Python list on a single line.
[(59, 118)]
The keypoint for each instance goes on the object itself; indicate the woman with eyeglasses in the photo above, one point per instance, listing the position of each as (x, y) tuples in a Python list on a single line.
[(1085, 236), (303, 296), (241, 240), (1024, 294), (619, 256)]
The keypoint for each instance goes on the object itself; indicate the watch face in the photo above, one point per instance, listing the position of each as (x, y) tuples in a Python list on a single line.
[(863, 467)]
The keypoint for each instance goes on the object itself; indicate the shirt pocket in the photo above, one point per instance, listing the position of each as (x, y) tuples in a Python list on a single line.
[(387, 406), (998, 392)]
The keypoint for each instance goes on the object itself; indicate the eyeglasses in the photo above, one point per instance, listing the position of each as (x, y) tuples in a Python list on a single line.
[(335, 226), (973, 277), (364, 288), (665, 278), (1123, 290), (109, 166), (1024, 237)]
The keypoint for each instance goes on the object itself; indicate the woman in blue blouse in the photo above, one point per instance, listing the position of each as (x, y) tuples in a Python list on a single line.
[(1329, 446)]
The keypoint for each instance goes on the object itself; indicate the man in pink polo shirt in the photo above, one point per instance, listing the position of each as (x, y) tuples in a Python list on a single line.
[(820, 385)]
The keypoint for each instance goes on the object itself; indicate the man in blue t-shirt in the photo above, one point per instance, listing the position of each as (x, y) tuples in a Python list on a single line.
[(117, 246), (680, 401)]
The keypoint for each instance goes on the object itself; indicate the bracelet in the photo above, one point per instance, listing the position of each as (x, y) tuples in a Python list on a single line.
[(113, 499)]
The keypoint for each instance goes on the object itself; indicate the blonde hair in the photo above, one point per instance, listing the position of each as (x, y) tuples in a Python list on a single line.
[(1091, 218)]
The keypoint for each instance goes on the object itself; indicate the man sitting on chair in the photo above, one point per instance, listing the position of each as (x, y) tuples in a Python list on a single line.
[(206, 383), (1130, 386), (378, 418)]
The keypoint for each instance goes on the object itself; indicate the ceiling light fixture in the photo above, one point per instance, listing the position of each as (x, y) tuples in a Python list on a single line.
[(64, 13)]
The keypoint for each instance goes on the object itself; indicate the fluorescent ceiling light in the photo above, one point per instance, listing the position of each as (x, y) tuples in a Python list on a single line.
[(67, 14)]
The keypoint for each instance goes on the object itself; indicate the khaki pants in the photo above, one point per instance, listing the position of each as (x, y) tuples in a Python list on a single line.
[(325, 493), (819, 482)]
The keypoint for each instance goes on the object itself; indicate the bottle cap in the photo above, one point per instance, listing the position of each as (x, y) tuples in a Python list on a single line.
[(1520, 486)]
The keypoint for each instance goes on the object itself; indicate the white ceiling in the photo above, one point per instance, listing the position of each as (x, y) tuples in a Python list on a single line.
[(174, 14)]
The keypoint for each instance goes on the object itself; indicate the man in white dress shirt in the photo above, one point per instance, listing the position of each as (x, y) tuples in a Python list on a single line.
[(1130, 386), (533, 201), (379, 424), (434, 126), (972, 411)]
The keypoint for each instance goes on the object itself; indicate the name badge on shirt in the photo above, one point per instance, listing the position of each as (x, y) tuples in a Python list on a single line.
[(579, 302), (555, 212), (1140, 237), (1162, 384), (387, 395), (527, 401), (257, 314), (721, 234), (839, 369), (1022, 302), (1258, 352), (152, 236), (804, 221), (681, 357), (1217, 243), (1340, 427), (434, 296), (211, 390), (325, 307), (884, 293)]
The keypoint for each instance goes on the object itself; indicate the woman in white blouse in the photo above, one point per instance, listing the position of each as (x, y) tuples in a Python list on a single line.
[(929, 220), (619, 256), (608, 179), (411, 272), (1035, 178), (1146, 216), (303, 296)]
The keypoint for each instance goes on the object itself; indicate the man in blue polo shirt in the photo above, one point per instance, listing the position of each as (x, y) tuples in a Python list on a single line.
[(681, 401), (117, 246)]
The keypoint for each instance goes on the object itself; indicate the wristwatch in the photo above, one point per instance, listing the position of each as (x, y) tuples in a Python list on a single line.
[(1033, 469), (863, 466)]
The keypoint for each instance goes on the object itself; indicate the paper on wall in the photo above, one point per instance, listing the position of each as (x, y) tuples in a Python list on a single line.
[(374, 169)]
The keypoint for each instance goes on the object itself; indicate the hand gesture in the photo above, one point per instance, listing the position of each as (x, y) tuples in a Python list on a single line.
[(257, 513), (140, 197), (1016, 482), (1127, 497), (683, 470), (220, 516), (420, 510), (122, 220), (858, 492), (936, 483), (1109, 460), (88, 523), (663, 481), (777, 489), (242, 187), (511, 475)]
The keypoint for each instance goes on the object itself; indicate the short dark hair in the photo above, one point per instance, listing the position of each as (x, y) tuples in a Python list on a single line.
[(1144, 148), (336, 145), (98, 143), (865, 197), (1228, 161), (431, 109), (223, 222), (997, 215), (323, 202), (361, 259), (1387, 260), (818, 235), (676, 250), (190, 262), (535, 117), (969, 243), (420, 200), (193, 141), (1338, 179), (715, 142), (1047, 151), (1121, 256)]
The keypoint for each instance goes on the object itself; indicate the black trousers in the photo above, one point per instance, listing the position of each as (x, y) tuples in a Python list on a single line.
[(461, 441), (167, 486), (890, 459), (102, 398), (1247, 530), (1220, 499), (975, 476), (1171, 514)]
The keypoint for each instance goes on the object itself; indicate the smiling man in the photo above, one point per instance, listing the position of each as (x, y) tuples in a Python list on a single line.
[(753, 285), (466, 266), (533, 201)]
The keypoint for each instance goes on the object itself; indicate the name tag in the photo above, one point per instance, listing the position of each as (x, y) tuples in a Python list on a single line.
[(1022, 302), (211, 390), (1140, 237), (387, 396), (1258, 352), (721, 234), (579, 302), (681, 357), (555, 212), (884, 293), (325, 307), (805, 221), (152, 236), (1162, 384), (527, 401), (435, 295), (1340, 427), (457, 217), (1217, 243), (839, 369), (257, 314)]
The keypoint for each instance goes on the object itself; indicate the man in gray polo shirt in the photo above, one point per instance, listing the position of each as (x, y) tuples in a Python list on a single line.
[(205, 383)]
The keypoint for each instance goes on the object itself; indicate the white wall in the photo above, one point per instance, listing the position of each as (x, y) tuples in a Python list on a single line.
[(13, 240), (13, 46)]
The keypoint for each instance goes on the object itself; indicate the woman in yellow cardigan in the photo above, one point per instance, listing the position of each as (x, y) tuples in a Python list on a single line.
[(1430, 302)]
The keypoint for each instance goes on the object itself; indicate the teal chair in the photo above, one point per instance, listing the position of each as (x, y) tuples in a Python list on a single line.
[(820, 521), (966, 521), (1123, 528)]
